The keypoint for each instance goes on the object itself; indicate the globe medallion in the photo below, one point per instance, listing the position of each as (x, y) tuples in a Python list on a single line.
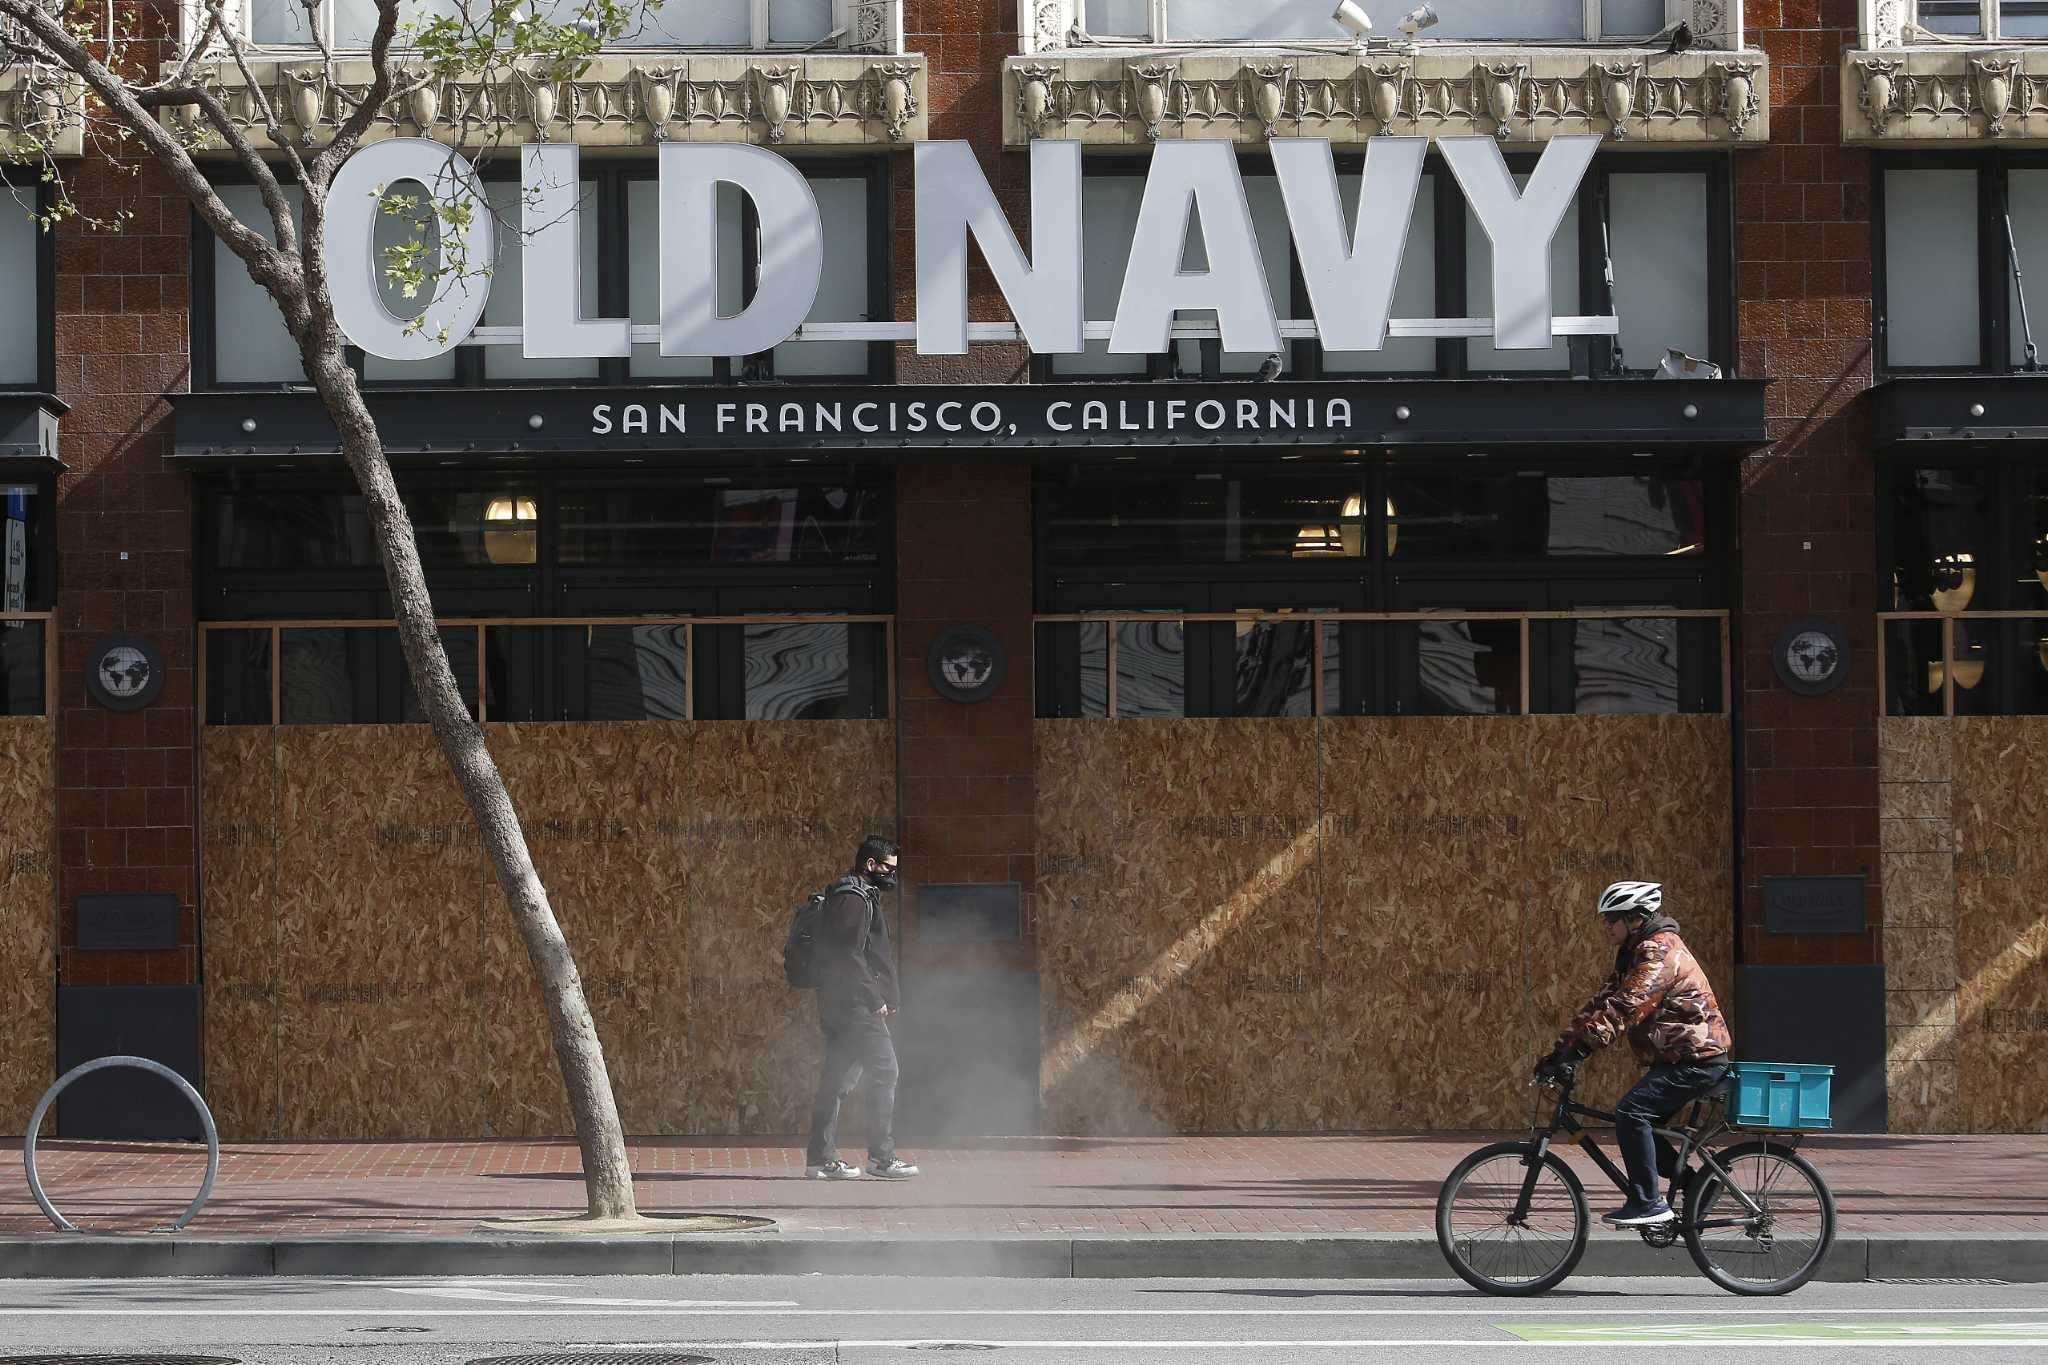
[(124, 672), (1811, 657)]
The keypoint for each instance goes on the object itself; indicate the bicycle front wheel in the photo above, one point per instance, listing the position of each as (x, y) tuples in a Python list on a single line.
[(1491, 1245), (1777, 1246)]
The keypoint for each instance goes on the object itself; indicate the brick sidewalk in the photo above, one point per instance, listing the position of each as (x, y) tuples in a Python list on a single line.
[(1383, 1183)]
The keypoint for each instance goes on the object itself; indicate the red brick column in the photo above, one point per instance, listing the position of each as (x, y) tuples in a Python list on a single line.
[(1803, 272), (963, 547), (125, 798)]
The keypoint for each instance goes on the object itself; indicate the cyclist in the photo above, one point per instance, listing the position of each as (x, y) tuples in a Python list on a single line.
[(1660, 997)]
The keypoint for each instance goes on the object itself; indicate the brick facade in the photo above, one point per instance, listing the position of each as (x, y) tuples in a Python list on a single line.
[(1803, 273), (1808, 765), (125, 798)]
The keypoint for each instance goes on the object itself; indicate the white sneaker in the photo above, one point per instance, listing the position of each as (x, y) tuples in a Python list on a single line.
[(833, 1170), (892, 1169)]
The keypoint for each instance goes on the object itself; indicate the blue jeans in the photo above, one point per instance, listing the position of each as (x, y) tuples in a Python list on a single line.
[(1656, 1098)]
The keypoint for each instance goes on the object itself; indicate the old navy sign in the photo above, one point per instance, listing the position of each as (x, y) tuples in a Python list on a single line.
[(1350, 272)]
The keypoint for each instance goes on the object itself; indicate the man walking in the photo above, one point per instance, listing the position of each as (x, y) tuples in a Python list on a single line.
[(856, 976)]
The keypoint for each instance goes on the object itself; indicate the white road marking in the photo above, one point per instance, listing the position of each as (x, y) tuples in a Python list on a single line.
[(672, 1309), (525, 1291)]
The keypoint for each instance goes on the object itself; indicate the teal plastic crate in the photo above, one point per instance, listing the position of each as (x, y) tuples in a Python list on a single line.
[(1781, 1095)]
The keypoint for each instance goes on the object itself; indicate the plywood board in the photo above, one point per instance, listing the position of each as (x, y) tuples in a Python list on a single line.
[(1455, 860), (374, 984), (2001, 935), (238, 928), (28, 909)]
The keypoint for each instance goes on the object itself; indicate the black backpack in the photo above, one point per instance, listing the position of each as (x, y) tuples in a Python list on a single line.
[(800, 944)]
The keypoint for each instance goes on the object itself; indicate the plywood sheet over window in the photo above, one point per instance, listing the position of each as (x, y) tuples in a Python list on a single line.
[(1965, 936), (1351, 922), (28, 929), (365, 979)]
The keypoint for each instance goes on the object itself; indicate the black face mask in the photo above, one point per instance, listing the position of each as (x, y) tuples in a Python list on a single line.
[(884, 880)]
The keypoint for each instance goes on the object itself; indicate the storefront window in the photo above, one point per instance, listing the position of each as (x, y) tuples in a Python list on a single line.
[(637, 672), (1971, 539), (1625, 667), (1528, 515), (1941, 539), (20, 273), (250, 342), (810, 523), (1414, 289), (643, 267), (1657, 224), (1220, 21), (349, 24), (1467, 668), (1205, 521), (1930, 268)]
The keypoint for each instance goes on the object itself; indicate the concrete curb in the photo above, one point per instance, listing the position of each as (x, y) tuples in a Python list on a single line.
[(2018, 1258)]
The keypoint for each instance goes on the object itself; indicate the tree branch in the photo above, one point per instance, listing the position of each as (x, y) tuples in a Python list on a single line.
[(267, 264), (359, 119)]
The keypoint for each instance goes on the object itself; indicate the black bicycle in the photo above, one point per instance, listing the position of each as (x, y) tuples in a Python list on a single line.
[(1756, 1217)]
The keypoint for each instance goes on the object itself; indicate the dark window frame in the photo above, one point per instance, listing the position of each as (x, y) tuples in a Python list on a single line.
[(2013, 469), (548, 588), (614, 286), (1374, 582), (1995, 321), (1593, 358), (45, 380)]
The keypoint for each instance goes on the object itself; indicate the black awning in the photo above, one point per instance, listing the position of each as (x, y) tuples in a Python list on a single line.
[(28, 426), (970, 421), (1972, 408)]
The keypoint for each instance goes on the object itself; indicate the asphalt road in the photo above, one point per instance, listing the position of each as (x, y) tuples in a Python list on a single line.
[(812, 1320)]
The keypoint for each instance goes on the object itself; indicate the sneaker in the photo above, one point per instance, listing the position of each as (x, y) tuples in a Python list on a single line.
[(1636, 1214), (832, 1170), (892, 1169)]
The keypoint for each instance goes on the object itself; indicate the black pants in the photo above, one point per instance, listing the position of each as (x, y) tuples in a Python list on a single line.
[(857, 1044), (1660, 1094)]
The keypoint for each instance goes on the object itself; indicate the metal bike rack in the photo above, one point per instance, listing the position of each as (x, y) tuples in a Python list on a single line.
[(28, 1142)]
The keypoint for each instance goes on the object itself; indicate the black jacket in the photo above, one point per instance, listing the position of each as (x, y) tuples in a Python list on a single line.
[(856, 969)]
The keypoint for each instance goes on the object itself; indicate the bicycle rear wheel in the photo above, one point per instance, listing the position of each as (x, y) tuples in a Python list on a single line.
[(1492, 1249), (1771, 1252)]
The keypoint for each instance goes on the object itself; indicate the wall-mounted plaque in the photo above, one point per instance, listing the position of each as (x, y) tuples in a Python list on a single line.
[(1811, 657), (124, 672), (966, 663), (127, 921), (1813, 905), (968, 912)]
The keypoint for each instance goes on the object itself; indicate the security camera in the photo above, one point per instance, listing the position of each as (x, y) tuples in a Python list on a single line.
[(1417, 19), (1269, 368), (1672, 37), (1354, 20)]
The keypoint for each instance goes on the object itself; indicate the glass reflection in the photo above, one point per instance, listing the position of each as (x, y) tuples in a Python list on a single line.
[(1151, 669), (1625, 667), (637, 672), (1469, 668), (1273, 674), (797, 672)]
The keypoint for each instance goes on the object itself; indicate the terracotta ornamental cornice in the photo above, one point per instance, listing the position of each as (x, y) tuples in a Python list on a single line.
[(809, 101), (1520, 95), (1945, 95), (42, 111)]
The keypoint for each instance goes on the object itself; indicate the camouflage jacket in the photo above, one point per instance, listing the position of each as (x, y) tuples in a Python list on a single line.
[(1660, 997)]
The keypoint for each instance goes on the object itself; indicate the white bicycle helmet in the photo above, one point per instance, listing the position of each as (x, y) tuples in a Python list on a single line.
[(1632, 898)]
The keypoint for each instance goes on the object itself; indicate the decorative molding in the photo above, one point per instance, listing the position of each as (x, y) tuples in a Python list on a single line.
[(1524, 98), (1904, 96), (42, 112), (813, 101)]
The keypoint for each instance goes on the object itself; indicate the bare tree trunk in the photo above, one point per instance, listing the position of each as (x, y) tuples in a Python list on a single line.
[(608, 1181)]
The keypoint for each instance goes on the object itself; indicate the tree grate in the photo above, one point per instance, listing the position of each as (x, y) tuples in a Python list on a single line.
[(595, 1358)]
